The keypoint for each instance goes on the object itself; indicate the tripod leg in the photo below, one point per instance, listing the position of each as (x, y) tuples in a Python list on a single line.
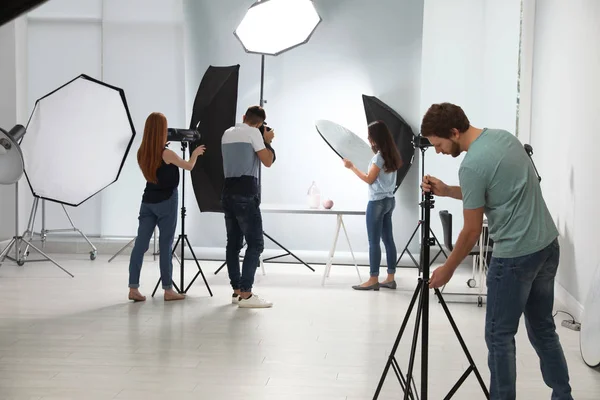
[(403, 383), (7, 250), (225, 263), (48, 257), (123, 249), (221, 267), (413, 349), (439, 244), (472, 367), (199, 270), (397, 342), (289, 252), (172, 254), (405, 250)]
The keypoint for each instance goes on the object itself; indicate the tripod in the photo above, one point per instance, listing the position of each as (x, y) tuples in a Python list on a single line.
[(422, 291), (183, 239), (420, 223), (27, 237)]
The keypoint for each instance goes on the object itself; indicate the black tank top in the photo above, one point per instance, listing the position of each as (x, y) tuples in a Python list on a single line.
[(168, 180)]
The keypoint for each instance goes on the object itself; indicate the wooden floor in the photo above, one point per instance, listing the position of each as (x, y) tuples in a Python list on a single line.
[(79, 338)]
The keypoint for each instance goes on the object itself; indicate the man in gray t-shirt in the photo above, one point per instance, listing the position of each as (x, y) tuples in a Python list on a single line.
[(497, 179), (243, 149)]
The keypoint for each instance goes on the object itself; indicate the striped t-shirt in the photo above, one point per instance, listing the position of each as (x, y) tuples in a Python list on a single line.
[(239, 145)]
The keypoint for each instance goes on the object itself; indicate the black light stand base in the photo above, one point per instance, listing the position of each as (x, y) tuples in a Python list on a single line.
[(422, 322), (287, 253), (183, 240), (20, 261), (406, 250)]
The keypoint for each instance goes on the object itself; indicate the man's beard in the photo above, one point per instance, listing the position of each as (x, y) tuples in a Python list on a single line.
[(455, 151)]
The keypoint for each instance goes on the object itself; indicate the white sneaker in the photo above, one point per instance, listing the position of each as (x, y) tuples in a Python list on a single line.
[(254, 302), (235, 299)]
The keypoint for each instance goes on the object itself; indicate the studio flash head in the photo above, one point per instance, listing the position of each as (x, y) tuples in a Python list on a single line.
[(421, 142), (182, 135)]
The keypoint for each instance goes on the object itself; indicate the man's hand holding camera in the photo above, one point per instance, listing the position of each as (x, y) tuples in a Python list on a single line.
[(269, 135)]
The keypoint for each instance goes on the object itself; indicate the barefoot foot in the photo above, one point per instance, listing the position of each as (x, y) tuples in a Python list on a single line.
[(135, 295), (171, 295)]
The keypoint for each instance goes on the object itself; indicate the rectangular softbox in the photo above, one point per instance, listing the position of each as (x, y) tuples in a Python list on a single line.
[(214, 112), (11, 9)]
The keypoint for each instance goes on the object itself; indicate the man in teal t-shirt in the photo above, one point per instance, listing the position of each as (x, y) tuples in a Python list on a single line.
[(497, 178)]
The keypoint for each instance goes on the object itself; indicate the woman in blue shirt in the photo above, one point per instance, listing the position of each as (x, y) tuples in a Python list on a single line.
[(381, 178)]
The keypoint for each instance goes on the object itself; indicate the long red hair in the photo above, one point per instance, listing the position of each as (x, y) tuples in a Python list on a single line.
[(149, 155)]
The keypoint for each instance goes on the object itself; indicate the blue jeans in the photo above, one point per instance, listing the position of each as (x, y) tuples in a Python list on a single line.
[(243, 220), (516, 286), (163, 214), (379, 226)]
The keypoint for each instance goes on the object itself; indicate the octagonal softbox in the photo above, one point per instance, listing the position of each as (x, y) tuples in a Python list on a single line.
[(77, 140), (214, 112), (275, 26), (377, 110)]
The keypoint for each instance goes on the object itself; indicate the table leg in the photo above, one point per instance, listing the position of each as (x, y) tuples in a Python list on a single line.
[(332, 251), (350, 246)]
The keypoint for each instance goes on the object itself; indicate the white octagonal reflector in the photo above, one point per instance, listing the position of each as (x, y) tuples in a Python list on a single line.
[(274, 26), (77, 140)]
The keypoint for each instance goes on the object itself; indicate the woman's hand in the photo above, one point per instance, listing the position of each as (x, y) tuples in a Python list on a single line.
[(198, 151), (348, 163)]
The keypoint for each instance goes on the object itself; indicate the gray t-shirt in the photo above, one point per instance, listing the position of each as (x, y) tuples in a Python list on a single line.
[(497, 174), (384, 183)]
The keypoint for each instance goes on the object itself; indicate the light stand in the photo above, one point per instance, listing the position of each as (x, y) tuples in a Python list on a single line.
[(422, 291), (184, 239), (18, 239), (131, 242), (11, 170), (423, 146)]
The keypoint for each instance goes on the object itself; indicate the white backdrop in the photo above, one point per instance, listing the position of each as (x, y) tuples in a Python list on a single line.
[(407, 53), (323, 79)]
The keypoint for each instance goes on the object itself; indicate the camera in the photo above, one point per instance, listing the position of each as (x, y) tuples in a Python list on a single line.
[(264, 128)]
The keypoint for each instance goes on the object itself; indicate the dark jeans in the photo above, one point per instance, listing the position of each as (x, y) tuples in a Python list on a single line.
[(243, 220), (163, 214), (379, 226), (516, 286)]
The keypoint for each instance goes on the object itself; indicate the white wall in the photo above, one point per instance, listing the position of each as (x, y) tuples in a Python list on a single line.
[(470, 58), (143, 54), (8, 118), (133, 44), (360, 47), (565, 120)]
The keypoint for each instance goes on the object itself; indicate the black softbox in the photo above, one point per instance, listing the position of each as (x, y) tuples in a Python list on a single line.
[(11, 9), (214, 112), (377, 110)]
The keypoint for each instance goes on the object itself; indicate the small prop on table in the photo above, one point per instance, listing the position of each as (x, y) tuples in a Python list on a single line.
[(314, 196), (328, 204)]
